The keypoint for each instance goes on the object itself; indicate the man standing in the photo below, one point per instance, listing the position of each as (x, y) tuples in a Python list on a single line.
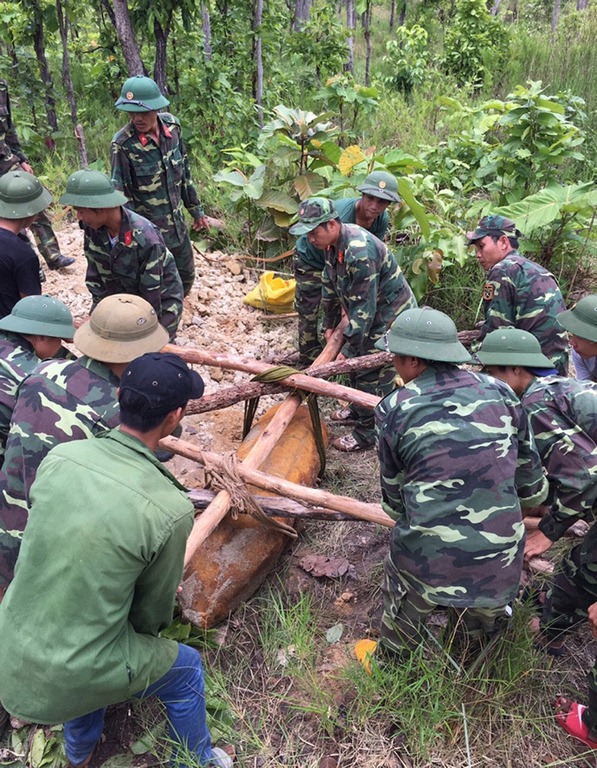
[(369, 211), (22, 198), (117, 540), (362, 280), (457, 460), (69, 400), (581, 324), (151, 167), (33, 332), (13, 158), (125, 253), (518, 292)]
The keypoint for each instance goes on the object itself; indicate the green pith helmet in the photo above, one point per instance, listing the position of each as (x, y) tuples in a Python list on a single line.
[(91, 189), (495, 226), (312, 213), (121, 328), (381, 184), (22, 195), (140, 94), (512, 346), (581, 320), (40, 315), (425, 333)]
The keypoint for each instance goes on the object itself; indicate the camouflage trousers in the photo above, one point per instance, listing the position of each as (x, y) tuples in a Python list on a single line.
[(182, 250), (573, 590), (307, 299), (406, 611), (45, 238), (376, 382)]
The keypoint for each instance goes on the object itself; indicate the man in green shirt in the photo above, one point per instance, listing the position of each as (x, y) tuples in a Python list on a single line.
[(111, 551)]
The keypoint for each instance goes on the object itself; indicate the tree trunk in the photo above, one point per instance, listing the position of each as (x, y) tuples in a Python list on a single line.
[(581, 4), (392, 15), (161, 54), (126, 35), (62, 15), (258, 60), (366, 21), (207, 49), (351, 24), (302, 10), (44, 69), (555, 15), (402, 17)]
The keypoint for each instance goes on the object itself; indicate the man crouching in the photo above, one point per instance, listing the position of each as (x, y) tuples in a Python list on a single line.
[(96, 578)]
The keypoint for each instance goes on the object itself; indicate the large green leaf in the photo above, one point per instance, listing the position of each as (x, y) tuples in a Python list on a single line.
[(544, 207), (278, 200), (237, 178), (415, 206)]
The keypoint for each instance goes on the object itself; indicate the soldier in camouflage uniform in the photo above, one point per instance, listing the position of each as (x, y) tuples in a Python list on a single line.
[(361, 280), (518, 292), (563, 415), (125, 252), (70, 400), (32, 332), (151, 167), (369, 211), (457, 460), (581, 324), (13, 158)]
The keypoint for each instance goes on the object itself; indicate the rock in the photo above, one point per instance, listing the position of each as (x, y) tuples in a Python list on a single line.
[(234, 266)]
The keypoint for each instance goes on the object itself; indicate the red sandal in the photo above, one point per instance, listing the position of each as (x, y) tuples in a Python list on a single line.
[(569, 715)]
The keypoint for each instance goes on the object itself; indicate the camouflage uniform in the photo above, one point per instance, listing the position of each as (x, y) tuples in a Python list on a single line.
[(563, 415), (456, 455), (520, 293), (17, 360), (138, 263), (60, 401), (308, 266), (157, 181), (11, 157), (362, 278)]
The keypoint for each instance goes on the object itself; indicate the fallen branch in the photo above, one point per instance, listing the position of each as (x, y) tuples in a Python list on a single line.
[(276, 506)]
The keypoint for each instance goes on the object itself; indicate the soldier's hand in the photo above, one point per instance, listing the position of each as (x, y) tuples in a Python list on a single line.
[(328, 333), (536, 544), (26, 167), (200, 223), (592, 614)]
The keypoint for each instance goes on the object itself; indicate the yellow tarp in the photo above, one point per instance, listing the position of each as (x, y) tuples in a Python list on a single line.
[(274, 294)]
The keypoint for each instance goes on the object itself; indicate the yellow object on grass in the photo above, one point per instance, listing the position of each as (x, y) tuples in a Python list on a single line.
[(274, 294)]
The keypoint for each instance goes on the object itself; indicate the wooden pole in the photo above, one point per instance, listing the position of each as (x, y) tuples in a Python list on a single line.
[(297, 380), (360, 510), (209, 520)]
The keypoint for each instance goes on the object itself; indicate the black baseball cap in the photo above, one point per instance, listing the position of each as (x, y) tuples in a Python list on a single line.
[(164, 381)]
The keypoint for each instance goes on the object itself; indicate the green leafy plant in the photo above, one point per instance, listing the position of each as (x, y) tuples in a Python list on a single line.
[(406, 59)]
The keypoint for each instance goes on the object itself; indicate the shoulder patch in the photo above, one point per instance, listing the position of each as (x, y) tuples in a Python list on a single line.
[(488, 292)]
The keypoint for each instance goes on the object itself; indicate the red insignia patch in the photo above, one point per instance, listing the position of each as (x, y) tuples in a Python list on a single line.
[(128, 237), (143, 139), (488, 292), (340, 257), (167, 131)]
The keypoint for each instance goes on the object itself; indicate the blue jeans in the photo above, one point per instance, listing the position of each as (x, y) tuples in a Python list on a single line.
[(181, 690)]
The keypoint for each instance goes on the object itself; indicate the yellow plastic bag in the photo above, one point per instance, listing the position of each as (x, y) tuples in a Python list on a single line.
[(274, 294)]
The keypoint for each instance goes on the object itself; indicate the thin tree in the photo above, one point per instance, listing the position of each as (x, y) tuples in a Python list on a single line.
[(351, 23), (126, 35), (206, 23), (366, 22), (39, 45), (258, 59), (63, 23), (555, 15)]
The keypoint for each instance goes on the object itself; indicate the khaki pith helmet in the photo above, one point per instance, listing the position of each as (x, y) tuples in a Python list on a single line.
[(381, 184), (121, 328), (40, 315), (425, 333), (512, 346), (581, 320), (22, 195), (91, 189), (140, 94)]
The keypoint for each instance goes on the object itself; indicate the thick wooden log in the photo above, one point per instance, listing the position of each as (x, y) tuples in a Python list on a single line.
[(209, 520), (361, 510), (297, 380), (277, 506), (231, 395)]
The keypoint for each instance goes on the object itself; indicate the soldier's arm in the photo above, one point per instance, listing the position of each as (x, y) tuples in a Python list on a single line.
[(93, 277), (361, 305), (390, 466), (189, 195), (329, 302), (161, 286), (531, 483), (120, 170), (500, 310)]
